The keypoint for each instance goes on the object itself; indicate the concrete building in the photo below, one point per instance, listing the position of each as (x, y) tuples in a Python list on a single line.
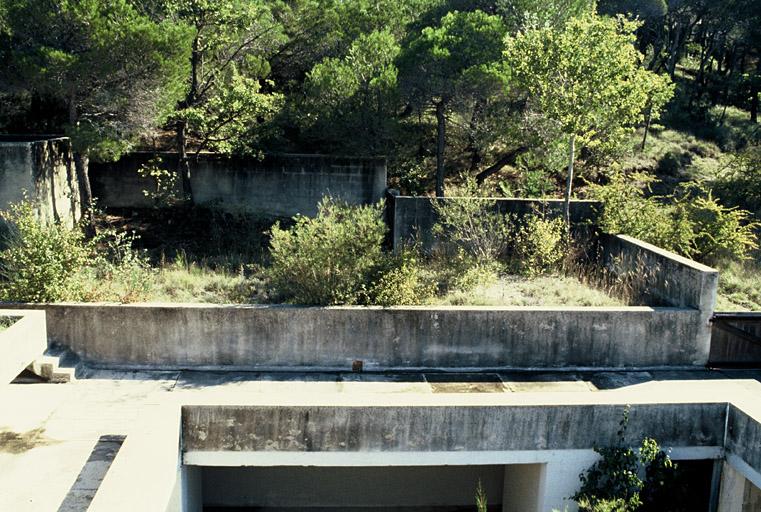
[(198, 407)]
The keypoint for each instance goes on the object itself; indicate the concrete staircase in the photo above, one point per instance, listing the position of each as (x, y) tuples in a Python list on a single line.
[(56, 366)]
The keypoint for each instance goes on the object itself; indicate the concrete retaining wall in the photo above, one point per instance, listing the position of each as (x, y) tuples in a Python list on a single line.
[(266, 337), (21, 343), (278, 185), (662, 277), (412, 218), (42, 171), (444, 429)]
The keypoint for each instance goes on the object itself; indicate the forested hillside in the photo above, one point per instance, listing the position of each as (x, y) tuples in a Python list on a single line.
[(651, 105)]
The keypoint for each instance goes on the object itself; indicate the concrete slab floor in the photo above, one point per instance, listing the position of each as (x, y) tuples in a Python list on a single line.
[(48, 431)]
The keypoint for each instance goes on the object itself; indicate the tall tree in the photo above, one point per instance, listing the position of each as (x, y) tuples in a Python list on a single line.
[(587, 79), (112, 69), (447, 61), (351, 102), (226, 89)]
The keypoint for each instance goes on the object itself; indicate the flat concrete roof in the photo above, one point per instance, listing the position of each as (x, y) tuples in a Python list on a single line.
[(48, 431)]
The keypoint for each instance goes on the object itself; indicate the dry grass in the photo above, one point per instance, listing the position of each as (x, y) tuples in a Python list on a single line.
[(531, 291), (739, 286)]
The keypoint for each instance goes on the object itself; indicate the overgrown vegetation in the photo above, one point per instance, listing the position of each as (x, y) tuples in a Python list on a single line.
[(615, 483), (337, 257)]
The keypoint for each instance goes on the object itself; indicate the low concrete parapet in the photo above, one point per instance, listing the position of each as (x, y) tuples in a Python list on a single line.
[(173, 336), (22, 342), (663, 277), (425, 429)]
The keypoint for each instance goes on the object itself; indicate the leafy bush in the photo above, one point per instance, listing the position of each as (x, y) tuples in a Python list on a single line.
[(40, 261), (540, 245), (473, 225), (328, 259), (401, 281), (337, 258), (691, 222), (613, 483), (165, 190), (740, 183)]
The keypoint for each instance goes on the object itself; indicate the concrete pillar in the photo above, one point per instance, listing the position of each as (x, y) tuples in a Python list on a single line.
[(522, 488), (561, 481), (731, 494), (192, 489)]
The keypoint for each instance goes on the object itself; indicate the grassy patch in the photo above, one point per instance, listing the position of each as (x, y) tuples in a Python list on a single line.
[(530, 291), (739, 286)]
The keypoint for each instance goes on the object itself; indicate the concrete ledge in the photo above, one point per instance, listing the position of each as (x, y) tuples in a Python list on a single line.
[(442, 429), (21, 343), (177, 336), (147, 473)]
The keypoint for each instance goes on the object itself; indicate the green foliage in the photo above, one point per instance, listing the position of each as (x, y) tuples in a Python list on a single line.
[(472, 224), (327, 259), (165, 191), (739, 184), (401, 280), (337, 258), (39, 261), (351, 101), (227, 95), (586, 78), (613, 483), (692, 222), (113, 70), (540, 245), (481, 500)]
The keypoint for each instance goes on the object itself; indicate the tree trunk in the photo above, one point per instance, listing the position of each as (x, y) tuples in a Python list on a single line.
[(183, 165), (441, 135), (648, 119), (569, 182), (754, 93), (81, 167), (504, 160)]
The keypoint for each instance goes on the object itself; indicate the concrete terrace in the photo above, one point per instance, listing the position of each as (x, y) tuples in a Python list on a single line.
[(48, 432)]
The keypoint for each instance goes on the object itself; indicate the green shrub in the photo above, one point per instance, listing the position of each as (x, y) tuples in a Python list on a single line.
[(401, 280), (540, 245), (739, 184), (328, 259), (691, 222), (337, 257), (720, 232), (472, 224), (165, 183), (613, 483), (40, 261)]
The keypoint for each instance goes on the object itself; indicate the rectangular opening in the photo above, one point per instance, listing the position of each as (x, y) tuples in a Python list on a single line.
[(346, 489)]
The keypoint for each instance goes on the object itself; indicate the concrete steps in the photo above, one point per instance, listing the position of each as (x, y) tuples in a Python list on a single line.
[(56, 366)]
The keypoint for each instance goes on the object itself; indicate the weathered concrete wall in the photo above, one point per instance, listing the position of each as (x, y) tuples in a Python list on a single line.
[(444, 429), (21, 343), (278, 185), (744, 442), (199, 335), (733, 348), (42, 171), (662, 277), (412, 218)]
